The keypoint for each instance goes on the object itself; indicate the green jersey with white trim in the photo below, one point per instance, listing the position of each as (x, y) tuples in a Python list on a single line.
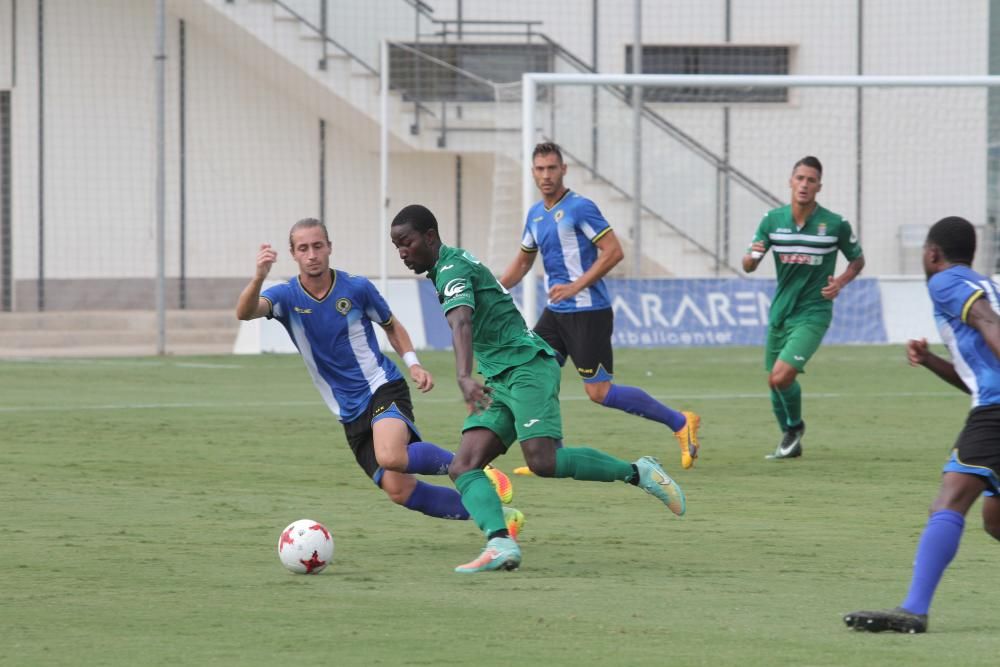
[(805, 258), (500, 338)]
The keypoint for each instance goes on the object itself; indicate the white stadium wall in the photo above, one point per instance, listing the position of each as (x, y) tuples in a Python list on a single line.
[(253, 136)]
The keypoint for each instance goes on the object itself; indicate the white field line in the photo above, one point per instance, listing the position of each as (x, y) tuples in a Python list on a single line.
[(237, 405)]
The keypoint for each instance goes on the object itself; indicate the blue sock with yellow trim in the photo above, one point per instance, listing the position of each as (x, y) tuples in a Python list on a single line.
[(938, 546), (426, 458), (635, 401)]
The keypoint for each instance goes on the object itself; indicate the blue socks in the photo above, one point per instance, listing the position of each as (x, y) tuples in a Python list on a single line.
[(425, 458), (637, 402), (938, 545), (438, 501)]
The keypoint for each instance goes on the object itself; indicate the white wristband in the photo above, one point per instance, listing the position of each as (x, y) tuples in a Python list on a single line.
[(410, 358)]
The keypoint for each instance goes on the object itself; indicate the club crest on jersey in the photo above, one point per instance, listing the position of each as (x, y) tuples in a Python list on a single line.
[(559, 215), (454, 287), (303, 311), (821, 230), (343, 305)]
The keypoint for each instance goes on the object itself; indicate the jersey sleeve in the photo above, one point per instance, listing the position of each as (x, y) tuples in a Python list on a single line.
[(591, 221), (847, 241), (952, 294), (456, 287), (528, 241), (376, 307), (761, 235), (277, 296)]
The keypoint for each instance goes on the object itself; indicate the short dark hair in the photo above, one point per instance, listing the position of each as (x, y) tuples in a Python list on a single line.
[(547, 148), (419, 217), (809, 161), (956, 237), (305, 223)]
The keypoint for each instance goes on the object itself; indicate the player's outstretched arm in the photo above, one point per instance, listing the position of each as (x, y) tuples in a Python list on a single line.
[(476, 396), (399, 339), (250, 306), (518, 268), (919, 354)]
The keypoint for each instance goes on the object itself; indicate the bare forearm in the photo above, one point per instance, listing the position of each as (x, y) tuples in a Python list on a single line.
[(461, 338), (517, 269), (945, 370), (851, 272), (249, 300), (399, 338)]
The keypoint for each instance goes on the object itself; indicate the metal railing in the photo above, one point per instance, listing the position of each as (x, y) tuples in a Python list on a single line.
[(443, 111)]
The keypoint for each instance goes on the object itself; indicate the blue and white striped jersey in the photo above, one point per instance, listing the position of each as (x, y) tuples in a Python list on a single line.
[(953, 292), (334, 334), (567, 235)]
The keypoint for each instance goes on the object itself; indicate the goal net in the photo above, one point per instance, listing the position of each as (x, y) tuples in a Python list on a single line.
[(686, 177)]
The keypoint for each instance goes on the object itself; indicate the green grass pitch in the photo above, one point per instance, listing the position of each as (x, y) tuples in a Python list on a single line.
[(141, 501)]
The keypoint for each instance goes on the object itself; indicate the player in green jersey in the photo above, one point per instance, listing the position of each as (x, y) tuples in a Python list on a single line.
[(805, 238), (520, 398)]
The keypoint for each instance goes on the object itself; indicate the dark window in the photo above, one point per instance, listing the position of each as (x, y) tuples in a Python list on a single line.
[(726, 59), (423, 78)]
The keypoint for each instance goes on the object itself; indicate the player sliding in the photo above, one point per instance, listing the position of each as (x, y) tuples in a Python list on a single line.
[(965, 308), (805, 238), (520, 400), (328, 315), (578, 248)]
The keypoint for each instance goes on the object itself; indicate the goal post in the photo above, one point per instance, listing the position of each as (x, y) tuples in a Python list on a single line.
[(899, 152)]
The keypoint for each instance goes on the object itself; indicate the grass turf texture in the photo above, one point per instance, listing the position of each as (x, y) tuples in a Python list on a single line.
[(142, 500)]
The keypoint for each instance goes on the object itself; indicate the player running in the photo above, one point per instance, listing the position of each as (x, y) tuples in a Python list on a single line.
[(805, 238), (520, 400), (328, 315), (578, 248), (966, 305)]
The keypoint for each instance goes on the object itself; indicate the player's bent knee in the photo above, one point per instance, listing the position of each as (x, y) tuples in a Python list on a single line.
[(781, 379), (597, 391), (541, 461), (396, 463), (397, 496)]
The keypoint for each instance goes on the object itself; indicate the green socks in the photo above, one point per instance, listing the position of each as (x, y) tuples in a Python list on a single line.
[(591, 465), (480, 498), (790, 400)]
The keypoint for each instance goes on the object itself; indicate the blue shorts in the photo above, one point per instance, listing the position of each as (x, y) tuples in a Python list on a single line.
[(977, 448), (990, 477)]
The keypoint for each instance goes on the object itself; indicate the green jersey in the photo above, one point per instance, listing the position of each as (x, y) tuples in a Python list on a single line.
[(805, 258), (500, 338)]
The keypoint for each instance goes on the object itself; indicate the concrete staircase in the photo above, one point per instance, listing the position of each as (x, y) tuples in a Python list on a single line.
[(276, 41), (118, 333)]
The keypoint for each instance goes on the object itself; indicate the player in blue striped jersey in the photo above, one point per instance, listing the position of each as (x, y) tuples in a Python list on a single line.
[(578, 249), (328, 315), (966, 307)]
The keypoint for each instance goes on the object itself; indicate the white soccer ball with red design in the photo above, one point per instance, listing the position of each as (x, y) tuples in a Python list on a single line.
[(305, 547)]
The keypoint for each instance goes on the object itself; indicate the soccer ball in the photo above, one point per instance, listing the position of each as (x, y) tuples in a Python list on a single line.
[(305, 547)]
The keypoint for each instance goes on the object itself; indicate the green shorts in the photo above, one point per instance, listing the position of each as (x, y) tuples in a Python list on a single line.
[(525, 402), (794, 342)]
